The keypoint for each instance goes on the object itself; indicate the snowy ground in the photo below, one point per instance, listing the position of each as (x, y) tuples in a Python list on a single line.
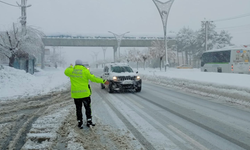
[(18, 84), (231, 87), (56, 127)]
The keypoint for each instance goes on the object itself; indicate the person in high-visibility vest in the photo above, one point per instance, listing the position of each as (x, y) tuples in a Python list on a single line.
[(80, 90)]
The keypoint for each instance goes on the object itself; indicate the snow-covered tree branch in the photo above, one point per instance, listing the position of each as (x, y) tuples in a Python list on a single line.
[(158, 50), (14, 43), (145, 55)]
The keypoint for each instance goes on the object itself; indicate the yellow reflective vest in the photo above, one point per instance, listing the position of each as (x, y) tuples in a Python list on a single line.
[(79, 78)]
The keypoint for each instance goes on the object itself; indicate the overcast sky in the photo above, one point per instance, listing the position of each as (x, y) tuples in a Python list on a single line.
[(139, 17)]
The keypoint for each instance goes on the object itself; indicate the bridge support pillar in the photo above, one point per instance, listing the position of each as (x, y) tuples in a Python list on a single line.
[(115, 53)]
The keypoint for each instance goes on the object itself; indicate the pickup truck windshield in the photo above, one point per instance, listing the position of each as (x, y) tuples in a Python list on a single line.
[(119, 69)]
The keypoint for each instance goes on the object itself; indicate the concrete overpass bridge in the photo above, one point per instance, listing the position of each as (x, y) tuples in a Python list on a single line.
[(103, 41)]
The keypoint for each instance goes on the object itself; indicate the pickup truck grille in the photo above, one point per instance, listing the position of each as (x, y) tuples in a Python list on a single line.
[(122, 78)]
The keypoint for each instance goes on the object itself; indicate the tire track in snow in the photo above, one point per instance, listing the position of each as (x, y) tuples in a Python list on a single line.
[(133, 130), (17, 117), (204, 126)]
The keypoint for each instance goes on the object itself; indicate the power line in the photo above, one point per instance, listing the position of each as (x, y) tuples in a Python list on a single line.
[(236, 17), (232, 31), (235, 30), (9, 4), (242, 26), (241, 32)]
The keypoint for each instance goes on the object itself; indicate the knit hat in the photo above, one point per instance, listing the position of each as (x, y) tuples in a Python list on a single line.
[(78, 62)]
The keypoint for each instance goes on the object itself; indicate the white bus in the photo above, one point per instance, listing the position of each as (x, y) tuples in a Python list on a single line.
[(232, 60)]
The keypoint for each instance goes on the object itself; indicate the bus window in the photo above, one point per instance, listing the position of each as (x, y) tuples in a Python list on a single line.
[(216, 57), (222, 60), (223, 56)]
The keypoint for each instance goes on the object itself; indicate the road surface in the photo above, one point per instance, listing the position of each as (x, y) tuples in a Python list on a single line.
[(157, 118)]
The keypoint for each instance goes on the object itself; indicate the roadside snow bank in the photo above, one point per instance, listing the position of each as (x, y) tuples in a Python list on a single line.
[(206, 84), (15, 83)]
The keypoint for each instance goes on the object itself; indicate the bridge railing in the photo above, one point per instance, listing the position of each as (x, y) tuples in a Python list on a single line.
[(109, 37)]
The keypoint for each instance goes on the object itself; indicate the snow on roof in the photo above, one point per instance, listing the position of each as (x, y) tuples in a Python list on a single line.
[(228, 48), (117, 64), (141, 36)]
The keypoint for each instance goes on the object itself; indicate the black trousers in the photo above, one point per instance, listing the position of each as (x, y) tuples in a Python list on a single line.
[(87, 105)]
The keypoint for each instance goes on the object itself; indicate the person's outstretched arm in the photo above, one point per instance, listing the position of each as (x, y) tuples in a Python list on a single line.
[(93, 78), (69, 70)]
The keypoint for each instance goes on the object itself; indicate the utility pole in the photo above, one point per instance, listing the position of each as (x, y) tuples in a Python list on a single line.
[(207, 23), (206, 26), (23, 20)]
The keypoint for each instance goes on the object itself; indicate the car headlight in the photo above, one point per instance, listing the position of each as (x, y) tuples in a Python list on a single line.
[(115, 78), (138, 77)]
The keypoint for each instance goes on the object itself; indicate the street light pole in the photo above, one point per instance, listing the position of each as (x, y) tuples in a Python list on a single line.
[(164, 8), (95, 54), (104, 51), (118, 39)]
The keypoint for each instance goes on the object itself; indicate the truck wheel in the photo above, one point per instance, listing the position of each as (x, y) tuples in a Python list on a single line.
[(102, 86), (110, 88), (138, 89)]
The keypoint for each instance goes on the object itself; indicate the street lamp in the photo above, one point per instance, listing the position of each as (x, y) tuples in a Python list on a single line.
[(104, 51), (95, 54), (164, 8), (118, 39)]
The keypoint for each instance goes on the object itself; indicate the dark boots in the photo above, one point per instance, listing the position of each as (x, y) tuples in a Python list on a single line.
[(89, 122), (80, 124)]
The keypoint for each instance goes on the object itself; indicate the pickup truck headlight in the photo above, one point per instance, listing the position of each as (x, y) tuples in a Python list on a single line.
[(115, 78), (138, 77)]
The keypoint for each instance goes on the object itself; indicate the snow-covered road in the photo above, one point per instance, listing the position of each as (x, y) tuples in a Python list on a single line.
[(18, 117), (45, 117), (164, 118), (49, 122)]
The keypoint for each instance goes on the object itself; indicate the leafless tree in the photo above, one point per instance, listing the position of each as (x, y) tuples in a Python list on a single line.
[(9, 44), (145, 55), (57, 57), (135, 56), (157, 50), (15, 43), (125, 56)]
